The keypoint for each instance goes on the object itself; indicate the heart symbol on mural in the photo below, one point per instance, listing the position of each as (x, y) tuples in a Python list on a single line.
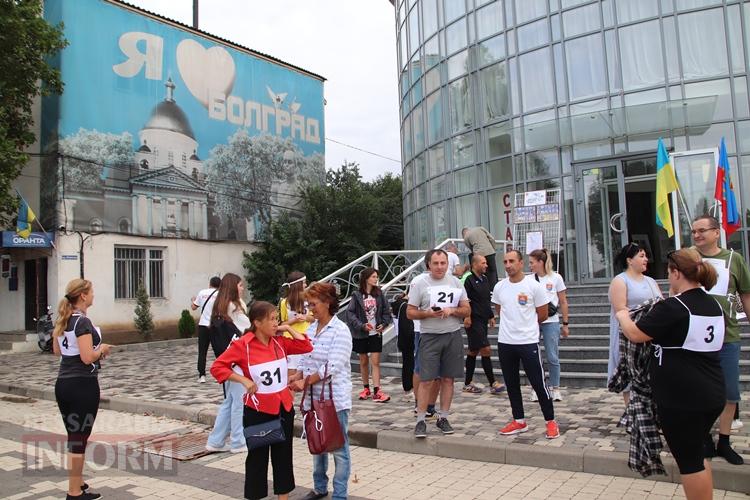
[(205, 69)]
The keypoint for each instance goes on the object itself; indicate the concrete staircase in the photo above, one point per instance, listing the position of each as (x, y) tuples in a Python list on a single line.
[(583, 355), (18, 341)]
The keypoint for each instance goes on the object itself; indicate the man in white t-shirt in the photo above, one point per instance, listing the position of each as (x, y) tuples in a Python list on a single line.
[(521, 303), (204, 300), (453, 260), (439, 302)]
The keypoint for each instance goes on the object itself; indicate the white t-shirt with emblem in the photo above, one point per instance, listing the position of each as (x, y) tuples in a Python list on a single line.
[(552, 284), (518, 303)]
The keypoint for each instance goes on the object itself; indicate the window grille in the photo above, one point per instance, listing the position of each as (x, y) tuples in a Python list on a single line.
[(138, 265)]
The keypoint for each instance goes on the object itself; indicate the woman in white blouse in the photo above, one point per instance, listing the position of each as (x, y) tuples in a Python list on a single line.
[(230, 308), (332, 349)]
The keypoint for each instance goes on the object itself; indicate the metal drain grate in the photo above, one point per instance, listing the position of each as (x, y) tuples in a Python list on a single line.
[(179, 447)]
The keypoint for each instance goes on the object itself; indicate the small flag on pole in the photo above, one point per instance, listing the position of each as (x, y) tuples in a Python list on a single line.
[(724, 193), (25, 218), (665, 183)]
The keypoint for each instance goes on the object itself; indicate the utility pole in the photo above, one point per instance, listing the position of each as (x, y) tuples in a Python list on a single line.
[(195, 14)]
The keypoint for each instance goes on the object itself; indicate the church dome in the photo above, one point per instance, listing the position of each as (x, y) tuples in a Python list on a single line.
[(167, 115)]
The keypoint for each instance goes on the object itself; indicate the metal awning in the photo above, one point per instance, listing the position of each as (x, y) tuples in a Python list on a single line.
[(695, 114)]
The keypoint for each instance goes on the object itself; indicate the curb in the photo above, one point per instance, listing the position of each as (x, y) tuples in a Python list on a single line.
[(592, 461)]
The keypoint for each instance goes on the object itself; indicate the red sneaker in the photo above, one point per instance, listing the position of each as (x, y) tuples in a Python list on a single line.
[(365, 394), (553, 431), (380, 397), (515, 427)]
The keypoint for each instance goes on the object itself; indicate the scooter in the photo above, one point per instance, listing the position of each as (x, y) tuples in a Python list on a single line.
[(44, 328)]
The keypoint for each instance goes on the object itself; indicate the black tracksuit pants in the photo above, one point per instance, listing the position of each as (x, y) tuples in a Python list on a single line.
[(511, 356)]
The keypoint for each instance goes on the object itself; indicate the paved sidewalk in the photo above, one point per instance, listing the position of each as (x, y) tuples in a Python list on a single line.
[(375, 474), (163, 380)]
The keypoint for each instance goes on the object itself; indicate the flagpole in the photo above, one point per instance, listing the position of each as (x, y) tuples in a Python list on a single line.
[(51, 242)]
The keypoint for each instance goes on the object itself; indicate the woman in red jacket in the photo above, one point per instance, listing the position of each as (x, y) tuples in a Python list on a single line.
[(261, 354)]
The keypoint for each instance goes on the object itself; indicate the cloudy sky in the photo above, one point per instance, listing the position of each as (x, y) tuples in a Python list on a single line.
[(351, 43)]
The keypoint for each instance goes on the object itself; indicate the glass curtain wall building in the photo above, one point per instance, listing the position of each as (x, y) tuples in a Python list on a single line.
[(507, 96)]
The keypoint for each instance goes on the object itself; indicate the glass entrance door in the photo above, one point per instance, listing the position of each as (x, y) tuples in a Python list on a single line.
[(601, 207)]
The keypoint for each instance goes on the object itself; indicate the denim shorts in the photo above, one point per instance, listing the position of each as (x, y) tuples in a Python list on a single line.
[(730, 365)]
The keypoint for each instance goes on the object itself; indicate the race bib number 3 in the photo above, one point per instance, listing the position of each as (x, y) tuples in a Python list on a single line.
[(444, 296)]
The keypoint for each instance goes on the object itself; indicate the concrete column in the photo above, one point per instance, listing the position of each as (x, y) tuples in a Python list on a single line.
[(150, 222), (142, 214), (191, 218), (163, 213), (178, 215), (204, 210), (134, 221)]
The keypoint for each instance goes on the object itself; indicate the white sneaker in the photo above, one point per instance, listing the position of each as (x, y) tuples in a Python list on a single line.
[(534, 397), (202, 379), (737, 424), (408, 397), (556, 396), (214, 449), (241, 449)]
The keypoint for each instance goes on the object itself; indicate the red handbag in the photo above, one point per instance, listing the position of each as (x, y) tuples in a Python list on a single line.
[(320, 424)]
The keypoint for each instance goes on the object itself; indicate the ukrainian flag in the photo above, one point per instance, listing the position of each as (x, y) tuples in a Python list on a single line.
[(25, 218), (665, 183)]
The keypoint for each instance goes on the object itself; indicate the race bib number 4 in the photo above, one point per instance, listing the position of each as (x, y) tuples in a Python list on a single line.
[(444, 296)]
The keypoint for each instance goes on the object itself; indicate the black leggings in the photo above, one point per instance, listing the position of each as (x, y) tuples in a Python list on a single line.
[(78, 400), (511, 356), (407, 367), (203, 342), (685, 432), (256, 464)]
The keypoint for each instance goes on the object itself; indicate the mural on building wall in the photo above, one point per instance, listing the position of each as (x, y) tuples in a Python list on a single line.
[(162, 132)]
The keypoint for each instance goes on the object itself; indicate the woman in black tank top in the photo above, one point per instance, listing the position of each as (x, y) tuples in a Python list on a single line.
[(687, 331), (79, 343)]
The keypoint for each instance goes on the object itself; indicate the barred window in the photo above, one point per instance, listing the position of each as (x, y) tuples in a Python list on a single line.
[(134, 266)]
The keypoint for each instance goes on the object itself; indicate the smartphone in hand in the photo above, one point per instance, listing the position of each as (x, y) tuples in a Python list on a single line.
[(436, 308)]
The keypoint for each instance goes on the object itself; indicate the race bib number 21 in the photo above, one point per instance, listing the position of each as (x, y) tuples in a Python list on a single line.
[(444, 296)]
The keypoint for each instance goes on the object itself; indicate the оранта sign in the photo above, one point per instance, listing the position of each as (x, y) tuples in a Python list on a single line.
[(35, 240)]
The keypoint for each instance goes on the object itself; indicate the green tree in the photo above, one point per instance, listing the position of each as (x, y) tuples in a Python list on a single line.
[(144, 320), (27, 42), (341, 220)]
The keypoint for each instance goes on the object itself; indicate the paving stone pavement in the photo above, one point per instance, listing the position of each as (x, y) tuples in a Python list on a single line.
[(587, 417), (375, 474)]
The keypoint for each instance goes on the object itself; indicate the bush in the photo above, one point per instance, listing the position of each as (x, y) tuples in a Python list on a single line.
[(144, 320), (186, 325)]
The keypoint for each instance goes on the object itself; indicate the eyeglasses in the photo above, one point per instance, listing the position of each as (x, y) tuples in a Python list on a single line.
[(703, 230), (311, 305)]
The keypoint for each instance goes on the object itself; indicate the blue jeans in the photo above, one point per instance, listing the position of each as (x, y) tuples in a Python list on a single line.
[(551, 336), (229, 419), (343, 464)]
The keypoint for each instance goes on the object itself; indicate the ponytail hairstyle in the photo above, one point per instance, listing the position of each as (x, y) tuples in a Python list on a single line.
[(364, 275), (227, 294), (258, 311), (543, 255), (65, 308), (293, 290), (688, 261)]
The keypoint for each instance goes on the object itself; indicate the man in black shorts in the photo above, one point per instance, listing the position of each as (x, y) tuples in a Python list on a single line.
[(478, 290)]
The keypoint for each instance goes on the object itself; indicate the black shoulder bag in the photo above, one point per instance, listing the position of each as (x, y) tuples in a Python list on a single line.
[(551, 308)]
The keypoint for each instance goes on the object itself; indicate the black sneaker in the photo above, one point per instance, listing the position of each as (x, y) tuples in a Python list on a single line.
[(430, 412), (83, 496), (726, 452), (444, 426), (420, 430)]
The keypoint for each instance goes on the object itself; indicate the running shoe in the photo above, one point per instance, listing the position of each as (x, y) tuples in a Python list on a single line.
[(515, 427), (497, 388), (420, 430), (472, 389), (445, 426), (202, 379), (556, 396), (379, 397), (737, 424), (241, 449), (365, 394), (215, 449), (553, 431), (431, 411), (534, 397), (84, 496), (408, 397)]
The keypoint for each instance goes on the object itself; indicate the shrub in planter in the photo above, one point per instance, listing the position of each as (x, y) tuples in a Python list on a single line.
[(186, 325)]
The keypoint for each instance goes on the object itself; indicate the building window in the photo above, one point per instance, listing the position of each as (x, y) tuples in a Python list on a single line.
[(134, 266), (184, 160)]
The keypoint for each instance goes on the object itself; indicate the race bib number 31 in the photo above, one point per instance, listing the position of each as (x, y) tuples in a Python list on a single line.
[(444, 296), (270, 377)]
